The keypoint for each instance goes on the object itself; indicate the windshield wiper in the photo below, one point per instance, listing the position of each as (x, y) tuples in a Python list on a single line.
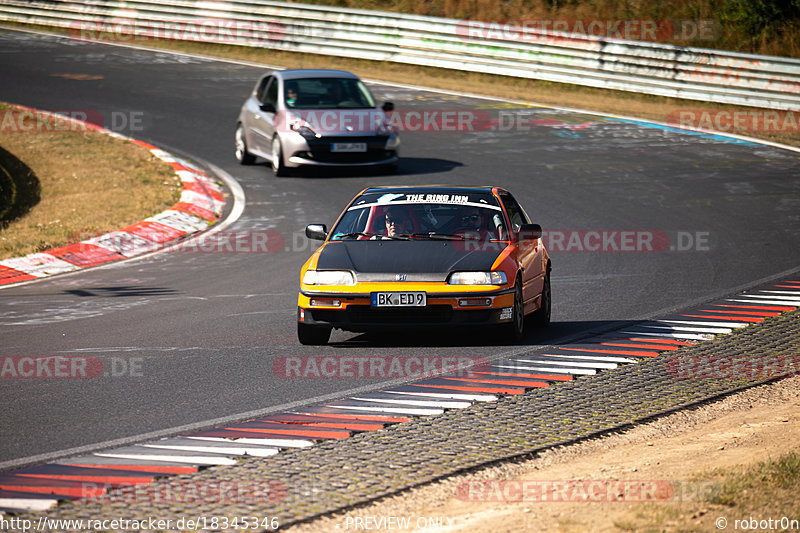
[(366, 234), (437, 236)]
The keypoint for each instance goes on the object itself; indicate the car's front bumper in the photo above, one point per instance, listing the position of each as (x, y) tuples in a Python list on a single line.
[(299, 160), (301, 151), (354, 312)]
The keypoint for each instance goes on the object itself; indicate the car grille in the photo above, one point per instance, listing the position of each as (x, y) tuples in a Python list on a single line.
[(365, 315), (432, 314), (321, 150)]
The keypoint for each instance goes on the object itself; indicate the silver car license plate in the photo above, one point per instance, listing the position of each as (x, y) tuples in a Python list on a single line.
[(349, 147), (399, 299)]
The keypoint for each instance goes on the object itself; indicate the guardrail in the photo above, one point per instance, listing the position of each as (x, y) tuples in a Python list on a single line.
[(644, 67)]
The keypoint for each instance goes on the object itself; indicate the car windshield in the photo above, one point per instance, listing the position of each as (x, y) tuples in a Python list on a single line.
[(327, 93), (413, 216)]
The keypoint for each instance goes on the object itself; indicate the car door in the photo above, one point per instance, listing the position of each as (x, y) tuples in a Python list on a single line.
[(530, 254), (260, 123)]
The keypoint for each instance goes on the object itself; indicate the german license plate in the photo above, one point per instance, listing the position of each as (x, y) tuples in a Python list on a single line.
[(399, 299), (349, 147)]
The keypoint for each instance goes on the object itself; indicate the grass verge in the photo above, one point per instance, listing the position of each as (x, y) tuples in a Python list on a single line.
[(738, 500), (64, 184)]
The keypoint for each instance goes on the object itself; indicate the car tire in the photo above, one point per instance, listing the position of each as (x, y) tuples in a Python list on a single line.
[(278, 167), (240, 144), (516, 329), (541, 317), (313, 335)]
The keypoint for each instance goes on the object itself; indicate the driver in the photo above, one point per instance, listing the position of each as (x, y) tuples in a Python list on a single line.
[(471, 219), (291, 93), (397, 222)]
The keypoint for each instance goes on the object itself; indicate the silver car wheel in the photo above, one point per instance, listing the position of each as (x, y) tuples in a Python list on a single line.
[(277, 157), (242, 155)]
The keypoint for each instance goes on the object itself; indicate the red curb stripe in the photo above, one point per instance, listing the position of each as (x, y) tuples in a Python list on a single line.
[(74, 489), (748, 313), (345, 426), (730, 318), (639, 353), (761, 307), (84, 254), (489, 390), (547, 377), (225, 433), (156, 469), (513, 383), (107, 480), (199, 188), (295, 432), (330, 425), (12, 275), (195, 210), (154, 231), (78, 473), (144, 144), (665, 348), (652, 340)]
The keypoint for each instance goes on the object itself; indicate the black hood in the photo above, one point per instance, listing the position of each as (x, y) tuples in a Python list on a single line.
[(420, 260)]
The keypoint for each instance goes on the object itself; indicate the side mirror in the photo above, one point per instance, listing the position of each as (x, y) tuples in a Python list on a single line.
[(317, 232), (529, 232), (267, 107), (388, 107)]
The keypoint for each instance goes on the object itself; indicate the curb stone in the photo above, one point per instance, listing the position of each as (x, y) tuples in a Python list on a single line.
[(200, 206), (338, 474)]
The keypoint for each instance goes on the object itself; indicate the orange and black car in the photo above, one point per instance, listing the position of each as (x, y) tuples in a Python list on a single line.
[(425, 256)]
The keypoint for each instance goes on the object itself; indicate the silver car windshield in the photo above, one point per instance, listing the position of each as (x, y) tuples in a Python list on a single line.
[(327, 93)]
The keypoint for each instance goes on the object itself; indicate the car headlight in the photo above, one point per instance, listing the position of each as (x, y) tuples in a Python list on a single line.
[(303, 128), (477, 278), (385, 126), (328, 277), (393, 142)]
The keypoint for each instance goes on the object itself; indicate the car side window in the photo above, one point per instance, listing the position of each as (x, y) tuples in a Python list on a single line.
[(516, 215), (262, 88), (271, 96)]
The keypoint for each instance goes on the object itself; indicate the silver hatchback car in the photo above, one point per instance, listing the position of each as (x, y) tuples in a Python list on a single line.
[(324, 118)]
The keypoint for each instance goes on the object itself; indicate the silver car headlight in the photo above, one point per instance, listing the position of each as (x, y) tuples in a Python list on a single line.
[(477, 278), (393, 142), (385, 126), (328, 277), (302, 127)]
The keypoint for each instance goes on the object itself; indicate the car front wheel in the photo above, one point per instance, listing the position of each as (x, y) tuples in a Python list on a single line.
[(278, 167), (242, 155), (313, 335), (516, 329)]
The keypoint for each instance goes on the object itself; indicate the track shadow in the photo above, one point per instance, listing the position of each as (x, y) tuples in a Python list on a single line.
[(474, 336), (20, 190), (407, 166), (121, 291), (426, 165)]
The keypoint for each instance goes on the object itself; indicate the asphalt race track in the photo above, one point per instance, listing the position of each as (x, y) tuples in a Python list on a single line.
[(189, 338)]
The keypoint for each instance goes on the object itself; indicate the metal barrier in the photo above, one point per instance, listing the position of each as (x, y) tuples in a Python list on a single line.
[(644, 67)]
